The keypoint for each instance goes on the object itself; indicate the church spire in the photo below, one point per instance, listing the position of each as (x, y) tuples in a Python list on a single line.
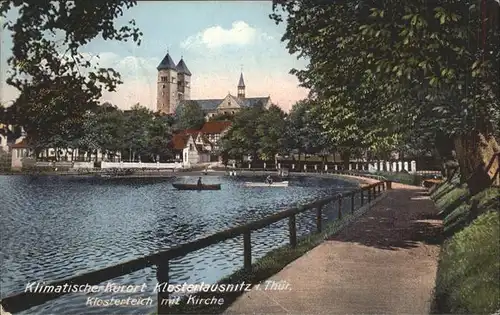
[(241, 87), (182, 68), (167, 63), (242, 82)]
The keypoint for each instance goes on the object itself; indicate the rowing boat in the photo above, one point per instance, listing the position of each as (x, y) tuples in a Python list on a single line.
[(196, 187), (275, 184)]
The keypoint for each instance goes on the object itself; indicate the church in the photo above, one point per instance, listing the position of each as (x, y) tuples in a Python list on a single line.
[(174, 91)]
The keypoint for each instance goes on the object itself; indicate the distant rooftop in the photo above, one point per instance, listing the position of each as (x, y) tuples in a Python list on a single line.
[(211, 104)]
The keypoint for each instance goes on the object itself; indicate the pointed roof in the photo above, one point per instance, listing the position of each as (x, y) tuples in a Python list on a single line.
[(242, 82), (182, 68), (167, 63)]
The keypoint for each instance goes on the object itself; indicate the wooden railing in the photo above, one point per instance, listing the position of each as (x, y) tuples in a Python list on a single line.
[(25, 300)]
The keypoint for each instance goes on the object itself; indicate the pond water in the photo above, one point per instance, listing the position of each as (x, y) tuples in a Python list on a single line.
[(54, 227)]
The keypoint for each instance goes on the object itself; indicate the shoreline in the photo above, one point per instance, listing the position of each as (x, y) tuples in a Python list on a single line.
[(359, 178)]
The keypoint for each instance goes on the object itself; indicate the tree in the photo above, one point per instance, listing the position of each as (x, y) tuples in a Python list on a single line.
[(137, 128), (222, 117), (160, 133), (57, 83), (295, 136), (270, 130), (242, 139), (305, 132), (3, 120), (189, 116), (403, 61)]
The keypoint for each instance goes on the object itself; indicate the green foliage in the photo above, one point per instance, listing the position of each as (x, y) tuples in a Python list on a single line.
[(305, 133), (137, 133), (460, 212), (440, 190), (222, 117), (403, 178), (189, 116), (451, 200), (263, 133), (489, 198), (242, 138), (58, 84), (468, 279), (270, 129), (385, 72)]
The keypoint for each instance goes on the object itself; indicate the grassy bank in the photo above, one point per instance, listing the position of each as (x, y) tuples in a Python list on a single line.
[(265, 267), (468, 277), (403, 178)]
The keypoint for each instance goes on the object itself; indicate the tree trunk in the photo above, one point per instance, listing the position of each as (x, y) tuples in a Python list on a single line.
[(476, 157), (346, 156), (298, 163)]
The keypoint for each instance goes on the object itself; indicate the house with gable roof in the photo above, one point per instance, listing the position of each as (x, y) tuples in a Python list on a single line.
[(199, 146), (174, 91)]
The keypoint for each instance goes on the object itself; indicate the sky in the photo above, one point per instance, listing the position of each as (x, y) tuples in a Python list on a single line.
[(217, 39)]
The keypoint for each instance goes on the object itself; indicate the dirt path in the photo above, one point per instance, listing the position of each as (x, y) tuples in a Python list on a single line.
[(385, 262)]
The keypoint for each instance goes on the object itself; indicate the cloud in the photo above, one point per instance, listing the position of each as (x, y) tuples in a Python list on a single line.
[(240, 34)]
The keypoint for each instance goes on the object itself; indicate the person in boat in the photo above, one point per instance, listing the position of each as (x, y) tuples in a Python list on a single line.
[(199, 181), (269, 179)]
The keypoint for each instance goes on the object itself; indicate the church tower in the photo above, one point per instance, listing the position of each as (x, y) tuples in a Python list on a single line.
[(183, 81), (241, 87), (166, 99)]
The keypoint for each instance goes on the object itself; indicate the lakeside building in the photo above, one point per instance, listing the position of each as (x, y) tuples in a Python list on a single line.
[(200, 146), (174, 91)]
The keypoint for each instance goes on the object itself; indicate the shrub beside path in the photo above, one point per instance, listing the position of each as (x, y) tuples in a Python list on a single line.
[(384, 262)]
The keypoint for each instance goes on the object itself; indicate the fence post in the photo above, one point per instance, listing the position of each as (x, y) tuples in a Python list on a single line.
[(340, 207), (162, 277), (388, 184), (293, 231), (247, 251), (352, 201), (319, 219), (369, 194), (362, 197)]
